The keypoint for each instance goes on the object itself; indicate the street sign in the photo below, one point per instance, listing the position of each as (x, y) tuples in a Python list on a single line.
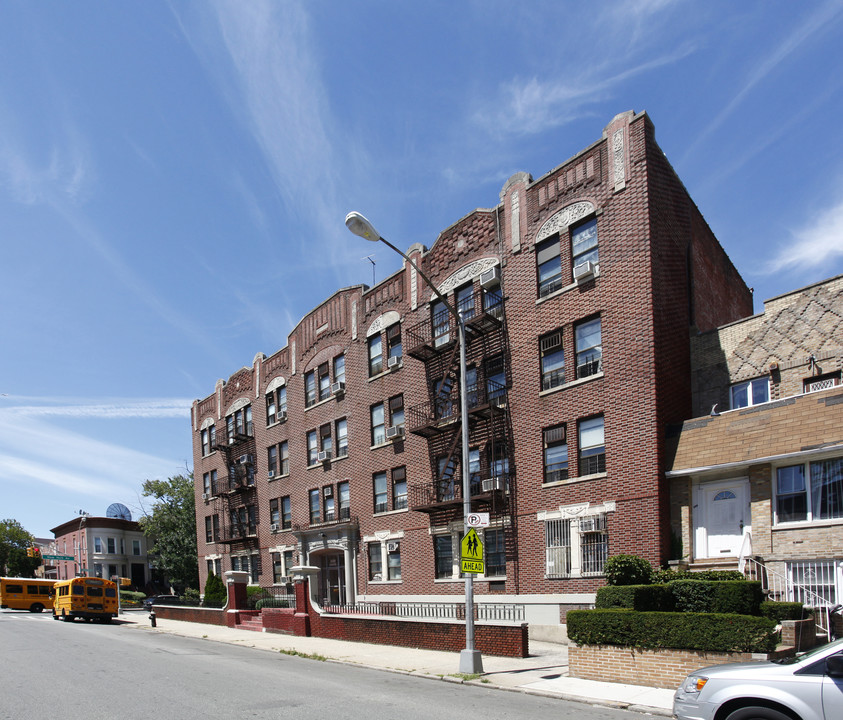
[(471, 553), (480, 520), (58, 557)]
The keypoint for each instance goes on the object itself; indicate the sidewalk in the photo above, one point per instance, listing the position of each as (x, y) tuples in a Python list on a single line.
[(545, 672)]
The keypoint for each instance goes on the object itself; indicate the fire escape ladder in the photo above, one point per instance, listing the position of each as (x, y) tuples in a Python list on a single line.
[(446, 488)]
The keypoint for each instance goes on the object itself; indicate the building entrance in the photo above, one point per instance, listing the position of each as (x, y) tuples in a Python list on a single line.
[(331, 566)]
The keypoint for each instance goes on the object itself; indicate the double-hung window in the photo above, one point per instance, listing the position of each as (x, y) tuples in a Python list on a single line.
[(276, 405), (286, 513), (375, 561), (326, 443), (272, 460), (312, 447), (555, 454), (443, 552), (752, 392), (328, 504), (495, 378), (344, 495), (375, 355), (315, 505), (310, 395), (584, 243), (548, 266), (552, 360), (339, 369), (381, 494), (324, 381), (284, 458), (464, 298), (441, 318), (399, 488), (393, 342), (396, 411), (341, 429), (376, 413), (209, 439), (275, 512), (589, 348), (592, 446)]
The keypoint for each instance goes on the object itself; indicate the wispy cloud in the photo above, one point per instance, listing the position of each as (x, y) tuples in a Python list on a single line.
[(814, 246), (36, 451), (817, 22)]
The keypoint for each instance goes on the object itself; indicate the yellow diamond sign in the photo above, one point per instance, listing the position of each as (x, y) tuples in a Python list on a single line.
[(471, 553)]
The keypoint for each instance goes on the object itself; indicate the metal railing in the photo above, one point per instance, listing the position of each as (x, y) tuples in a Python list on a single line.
[(503, 612), (273, 597), (781, 587)]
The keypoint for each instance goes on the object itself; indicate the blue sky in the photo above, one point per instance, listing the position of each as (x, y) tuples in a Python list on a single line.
[(174, 179)]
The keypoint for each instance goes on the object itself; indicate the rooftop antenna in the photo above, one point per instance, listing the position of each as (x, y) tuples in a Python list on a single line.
[(369, 258)]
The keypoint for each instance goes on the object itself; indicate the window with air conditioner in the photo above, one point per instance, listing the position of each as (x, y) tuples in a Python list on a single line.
[(375, 355), (552, 359), (584, 250)]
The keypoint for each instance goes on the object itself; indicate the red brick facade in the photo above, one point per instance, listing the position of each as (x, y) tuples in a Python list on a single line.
[(656, 272)]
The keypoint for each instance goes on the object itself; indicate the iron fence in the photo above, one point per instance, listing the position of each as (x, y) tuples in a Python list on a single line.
[(502, 612)]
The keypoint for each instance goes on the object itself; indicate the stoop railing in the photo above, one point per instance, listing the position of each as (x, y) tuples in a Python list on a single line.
[(781, 587)]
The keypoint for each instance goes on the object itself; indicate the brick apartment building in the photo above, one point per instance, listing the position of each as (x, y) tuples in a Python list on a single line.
[(757, 475), (581, 291)]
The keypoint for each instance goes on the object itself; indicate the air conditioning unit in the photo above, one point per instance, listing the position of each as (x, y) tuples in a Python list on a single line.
[(392, 546), (338, 388), (206, 496), (584, 271), (394, 432), (274, 527), (247, 459), (328, 491), (282, 415), (592, 524), (495, 483), (393, 362), (324, 456), (232, 440), (490, 278), (286, 579), (271, 474)]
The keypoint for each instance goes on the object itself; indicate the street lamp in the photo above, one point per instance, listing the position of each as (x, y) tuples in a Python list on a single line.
[(471, 661)]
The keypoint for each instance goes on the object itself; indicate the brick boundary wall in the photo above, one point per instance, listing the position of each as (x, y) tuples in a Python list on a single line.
[(500, 640), (208, 616), (654, 668)]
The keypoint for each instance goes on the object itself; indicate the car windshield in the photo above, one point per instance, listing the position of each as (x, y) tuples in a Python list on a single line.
[(809, 655)]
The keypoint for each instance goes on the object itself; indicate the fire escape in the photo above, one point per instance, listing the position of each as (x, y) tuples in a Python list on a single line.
[(235, 492), (491, 468)]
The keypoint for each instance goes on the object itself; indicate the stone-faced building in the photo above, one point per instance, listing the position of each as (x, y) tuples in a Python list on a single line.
[(580, 291), (758, 474)]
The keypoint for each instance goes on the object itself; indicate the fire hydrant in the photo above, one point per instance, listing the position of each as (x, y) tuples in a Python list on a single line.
[(152, 617)]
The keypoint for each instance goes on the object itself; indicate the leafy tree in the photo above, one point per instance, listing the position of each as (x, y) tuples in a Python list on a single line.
[(14, 540), (170, 528)]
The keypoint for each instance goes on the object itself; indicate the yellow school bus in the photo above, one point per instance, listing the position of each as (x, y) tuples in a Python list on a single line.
[(89, 598), (26, 594)]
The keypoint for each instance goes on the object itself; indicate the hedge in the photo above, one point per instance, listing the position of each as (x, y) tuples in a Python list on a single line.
[(778, 611), (742, 597), (686, 631), (635, 597), (272, 602)]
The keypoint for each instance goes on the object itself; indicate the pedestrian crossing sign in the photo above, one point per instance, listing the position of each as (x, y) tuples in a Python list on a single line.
[(471, 553)]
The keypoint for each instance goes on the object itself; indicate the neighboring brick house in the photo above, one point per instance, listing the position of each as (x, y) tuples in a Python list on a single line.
[(759, 472), (580, 291), (101, 547)]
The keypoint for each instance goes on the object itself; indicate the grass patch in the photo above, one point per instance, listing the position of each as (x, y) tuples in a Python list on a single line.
[(466, 676), (309, 656)]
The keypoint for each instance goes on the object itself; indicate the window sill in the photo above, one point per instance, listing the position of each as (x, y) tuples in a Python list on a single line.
[(385, 582), (277, 422), (277, 477), (803, 524), (382, 373), (320, 402), (570, 480), (385, 443), (477, 578), (391, 512), (573, 383)]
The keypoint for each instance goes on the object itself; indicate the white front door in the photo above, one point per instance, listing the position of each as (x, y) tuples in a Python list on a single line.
[(723, 518)]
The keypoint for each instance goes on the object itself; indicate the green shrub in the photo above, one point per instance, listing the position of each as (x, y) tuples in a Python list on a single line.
[(191, 596), (742, 597), (215, 593), (131, 595), (666, 576), (687, 631), (272, 602), (627, 570), (779, 611), (635, 597)]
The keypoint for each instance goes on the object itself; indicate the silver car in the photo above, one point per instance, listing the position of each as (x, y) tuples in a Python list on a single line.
[(806, 687)]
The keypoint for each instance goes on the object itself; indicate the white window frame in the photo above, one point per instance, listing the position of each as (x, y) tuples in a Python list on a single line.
[(752, 388), (572, 517)]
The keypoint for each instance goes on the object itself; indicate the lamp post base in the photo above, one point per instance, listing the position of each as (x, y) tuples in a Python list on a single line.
[(471, 662)]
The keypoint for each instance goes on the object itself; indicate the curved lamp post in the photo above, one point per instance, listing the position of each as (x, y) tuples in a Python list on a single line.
[(471, 661)]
